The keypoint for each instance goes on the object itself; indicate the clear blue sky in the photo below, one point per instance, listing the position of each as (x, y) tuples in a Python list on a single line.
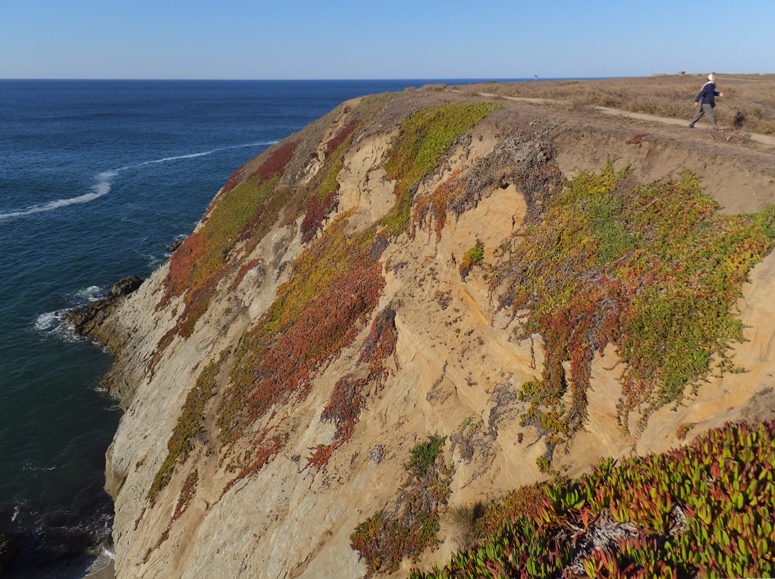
[(306, 39)]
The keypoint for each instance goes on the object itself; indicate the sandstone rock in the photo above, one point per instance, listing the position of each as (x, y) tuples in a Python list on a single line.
[(455, 368)]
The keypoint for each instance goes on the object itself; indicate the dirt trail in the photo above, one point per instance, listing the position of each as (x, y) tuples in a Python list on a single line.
[(765, 139)]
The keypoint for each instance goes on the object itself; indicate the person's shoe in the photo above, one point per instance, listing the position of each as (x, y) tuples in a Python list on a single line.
[(691, 126)]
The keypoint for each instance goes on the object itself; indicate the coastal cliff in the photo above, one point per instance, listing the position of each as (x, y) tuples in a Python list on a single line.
[(372, 287)]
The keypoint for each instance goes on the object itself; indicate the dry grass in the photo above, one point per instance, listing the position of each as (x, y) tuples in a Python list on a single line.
[(748, 102)]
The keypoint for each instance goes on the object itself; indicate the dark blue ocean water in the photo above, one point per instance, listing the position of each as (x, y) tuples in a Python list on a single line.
[(97, 179)]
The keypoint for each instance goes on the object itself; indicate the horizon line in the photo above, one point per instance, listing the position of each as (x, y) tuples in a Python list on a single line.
[(439, 79), (365, 79)]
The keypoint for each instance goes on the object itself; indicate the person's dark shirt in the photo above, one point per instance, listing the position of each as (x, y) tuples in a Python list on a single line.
[(707, 94)]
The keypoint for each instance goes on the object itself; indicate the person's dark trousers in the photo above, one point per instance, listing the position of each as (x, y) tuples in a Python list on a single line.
[(705, 109)]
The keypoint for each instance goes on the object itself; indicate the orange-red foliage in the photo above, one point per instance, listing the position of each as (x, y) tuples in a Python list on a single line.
[(277, 161), (316, 211), (195, 272), (349, 395), (186, 494), (341, 137), (265, 450), (324, 327), (380, 343), (305, 328), (433, 208), (321, 454)]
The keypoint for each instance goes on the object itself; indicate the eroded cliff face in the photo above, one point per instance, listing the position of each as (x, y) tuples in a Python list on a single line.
[(249, 449)]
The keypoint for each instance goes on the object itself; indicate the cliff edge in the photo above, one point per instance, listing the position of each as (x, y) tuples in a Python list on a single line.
[(356, 294)]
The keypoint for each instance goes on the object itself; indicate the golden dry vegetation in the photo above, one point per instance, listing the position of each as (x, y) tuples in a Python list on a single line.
[(748, 102)]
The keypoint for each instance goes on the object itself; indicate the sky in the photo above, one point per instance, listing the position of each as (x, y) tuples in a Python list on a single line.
[(361, 39)]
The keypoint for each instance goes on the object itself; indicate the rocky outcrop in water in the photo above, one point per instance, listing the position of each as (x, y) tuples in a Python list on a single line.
[(89, 320)]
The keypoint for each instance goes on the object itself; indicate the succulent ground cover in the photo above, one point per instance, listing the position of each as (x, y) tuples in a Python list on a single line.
[(201, 261), (335, 285), (651, 269), (352, 390), (189, 425), (702, 510), (242, 214), (425, 137)]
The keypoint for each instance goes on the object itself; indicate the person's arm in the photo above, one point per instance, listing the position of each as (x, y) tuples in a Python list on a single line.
[(699, 96)]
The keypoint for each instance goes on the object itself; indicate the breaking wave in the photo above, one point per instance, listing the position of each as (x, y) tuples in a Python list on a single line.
[(100, 188), (104, 182)]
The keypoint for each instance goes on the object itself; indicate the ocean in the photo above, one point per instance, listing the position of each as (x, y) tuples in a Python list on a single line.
[(97, 180)]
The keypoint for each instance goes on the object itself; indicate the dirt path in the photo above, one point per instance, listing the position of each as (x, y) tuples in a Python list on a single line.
[(765, 139)]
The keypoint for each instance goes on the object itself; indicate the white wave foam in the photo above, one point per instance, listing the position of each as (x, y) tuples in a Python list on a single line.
[(202, 154), (104, 183), (99, 189), (103, 559), (59, 203), (53, 324), (48, 321), (167, 159), (29, 466), (89, 294)]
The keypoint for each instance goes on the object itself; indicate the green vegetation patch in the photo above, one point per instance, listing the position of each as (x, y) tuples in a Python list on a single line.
[(652, 269), (410, 525), (474, 256), (425, 137), (190, 424), (200, 263), (243, 213), (203, 253), (703, 510), (424, 455)]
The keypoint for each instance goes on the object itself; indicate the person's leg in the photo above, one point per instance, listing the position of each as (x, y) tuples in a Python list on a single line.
[(711, 114), (697, 116)]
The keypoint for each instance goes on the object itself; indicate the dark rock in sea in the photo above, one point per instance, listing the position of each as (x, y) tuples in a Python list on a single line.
[(174, 246), (88, 320), (126, 286)]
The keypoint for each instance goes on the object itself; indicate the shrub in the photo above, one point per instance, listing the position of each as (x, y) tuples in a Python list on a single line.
[(424, 454), (474, 256), (463, 519), (410, 526)]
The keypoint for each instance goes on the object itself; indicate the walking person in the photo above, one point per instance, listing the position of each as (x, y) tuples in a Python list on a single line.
[(708, 96)]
